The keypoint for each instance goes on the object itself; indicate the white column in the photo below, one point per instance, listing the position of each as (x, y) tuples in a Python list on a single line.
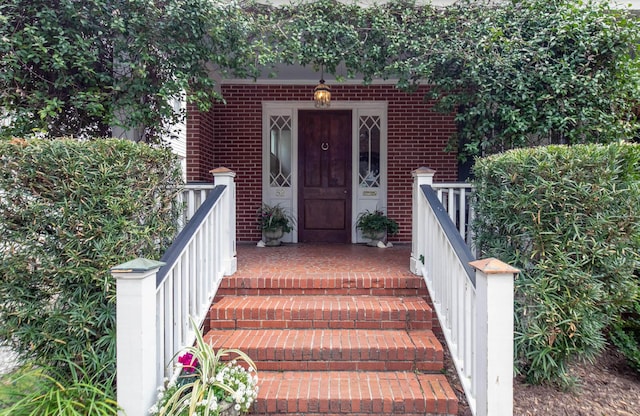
[(421, 176), (494, 337), (224, 176), (136, 335)]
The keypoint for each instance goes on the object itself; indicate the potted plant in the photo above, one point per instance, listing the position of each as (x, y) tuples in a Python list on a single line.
[(376, 226), (207, 385), (274, 222)]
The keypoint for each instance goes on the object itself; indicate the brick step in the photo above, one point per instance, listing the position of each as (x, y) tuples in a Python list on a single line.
[(335, 284), (354, 393), (334, 349), (319, 312)]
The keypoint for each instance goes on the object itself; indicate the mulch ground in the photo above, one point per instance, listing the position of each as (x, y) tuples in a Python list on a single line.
[(608, 387)]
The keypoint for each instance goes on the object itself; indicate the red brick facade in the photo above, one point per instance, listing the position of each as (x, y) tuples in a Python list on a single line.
[(231, 136)]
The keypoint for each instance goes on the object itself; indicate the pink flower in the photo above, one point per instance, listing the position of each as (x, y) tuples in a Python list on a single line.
[(189, 362)]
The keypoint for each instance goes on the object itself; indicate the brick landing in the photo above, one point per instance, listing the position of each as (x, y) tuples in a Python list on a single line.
[(333, 330)]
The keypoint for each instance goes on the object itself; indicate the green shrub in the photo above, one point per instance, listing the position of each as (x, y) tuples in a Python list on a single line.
[(69, 211), (48, 391), (568, 218), (625, 334)]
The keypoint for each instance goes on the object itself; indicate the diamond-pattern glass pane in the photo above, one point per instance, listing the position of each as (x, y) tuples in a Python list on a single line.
[(280, 152), (369, 163)]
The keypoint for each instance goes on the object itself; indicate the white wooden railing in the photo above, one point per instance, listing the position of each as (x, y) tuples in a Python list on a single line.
[(472, 299), (455, 197), (156, 299), (190, 199)]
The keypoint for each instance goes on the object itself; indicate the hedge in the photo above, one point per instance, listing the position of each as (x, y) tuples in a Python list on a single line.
[(569, 218), (69, 211)]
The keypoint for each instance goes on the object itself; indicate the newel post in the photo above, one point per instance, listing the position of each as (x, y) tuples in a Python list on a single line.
[(421, 176), (136, 335), (224, 176), (494, 337)]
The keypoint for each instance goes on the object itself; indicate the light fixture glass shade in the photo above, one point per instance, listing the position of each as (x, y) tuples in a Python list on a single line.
[(322, 95)]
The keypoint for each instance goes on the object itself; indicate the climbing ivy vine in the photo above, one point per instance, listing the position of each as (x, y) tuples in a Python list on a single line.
[(520, 73), (77, 68), (523, 72)]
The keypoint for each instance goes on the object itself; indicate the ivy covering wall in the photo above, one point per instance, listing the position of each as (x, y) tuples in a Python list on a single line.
[(518, 73)]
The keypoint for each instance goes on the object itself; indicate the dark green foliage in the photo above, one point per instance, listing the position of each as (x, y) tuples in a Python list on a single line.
[(568, 218), (374, 222), (76, 67), (48, 391), (274, 217), (517, 73), (625, 334), (535, 72), (69, 211)]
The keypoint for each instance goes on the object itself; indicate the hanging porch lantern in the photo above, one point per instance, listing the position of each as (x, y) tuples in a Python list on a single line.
[(322, 95), (322, 92)]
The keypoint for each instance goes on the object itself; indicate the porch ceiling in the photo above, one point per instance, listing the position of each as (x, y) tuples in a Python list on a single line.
[(300, 75)]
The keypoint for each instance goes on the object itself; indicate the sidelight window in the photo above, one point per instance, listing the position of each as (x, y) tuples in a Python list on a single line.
[(369, 145), (280, 154)]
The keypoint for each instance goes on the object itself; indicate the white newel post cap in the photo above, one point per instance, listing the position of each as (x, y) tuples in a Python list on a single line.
[(423, 175), (423, 171), (493, 266), (222, 172), (136, 268)]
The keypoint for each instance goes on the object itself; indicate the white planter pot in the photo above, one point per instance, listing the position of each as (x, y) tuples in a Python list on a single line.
[(272, 237), (375, 237)]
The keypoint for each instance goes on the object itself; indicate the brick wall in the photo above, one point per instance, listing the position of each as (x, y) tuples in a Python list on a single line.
[(416, 137), (200, 144)]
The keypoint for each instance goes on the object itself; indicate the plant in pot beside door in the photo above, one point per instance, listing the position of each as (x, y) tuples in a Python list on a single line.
[(274, 221), (376, 226)]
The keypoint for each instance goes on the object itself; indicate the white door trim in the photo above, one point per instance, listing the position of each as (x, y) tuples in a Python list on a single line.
[(362, 200)]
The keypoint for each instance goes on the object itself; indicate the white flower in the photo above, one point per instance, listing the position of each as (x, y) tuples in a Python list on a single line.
[(237, 397), (213, 405), (236, 407), (153, 410)]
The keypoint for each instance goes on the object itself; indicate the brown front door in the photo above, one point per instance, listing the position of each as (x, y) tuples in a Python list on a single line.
[(324, 195)]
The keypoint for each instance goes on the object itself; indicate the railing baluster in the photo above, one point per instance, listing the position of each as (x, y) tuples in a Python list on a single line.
[(462, 225), (455, 199), (160, 353), (451, 205)]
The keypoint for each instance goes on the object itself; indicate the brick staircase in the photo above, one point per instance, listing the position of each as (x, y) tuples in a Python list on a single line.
[(335, 343)]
